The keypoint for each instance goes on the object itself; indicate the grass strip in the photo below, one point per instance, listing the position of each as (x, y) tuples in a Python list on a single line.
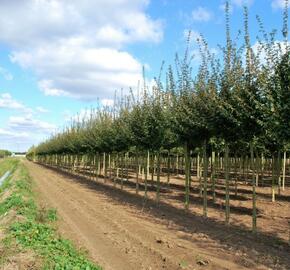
[(36, 229)]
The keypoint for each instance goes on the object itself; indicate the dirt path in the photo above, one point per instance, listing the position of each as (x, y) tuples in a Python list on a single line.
[(119, 235)]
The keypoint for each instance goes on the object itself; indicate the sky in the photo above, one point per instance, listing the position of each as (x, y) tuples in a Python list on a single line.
[(59, 58)]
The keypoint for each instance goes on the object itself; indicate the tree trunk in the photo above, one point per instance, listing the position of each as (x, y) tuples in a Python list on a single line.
[(147, 171), (213, 176), (254, 216), (127, 166), (122, 170), (273, 178), (227, 165), (262, 169), (187, 174), (278, 172), (168, 168), (236, 175), (158, 177), (205, 170), (284, 170)]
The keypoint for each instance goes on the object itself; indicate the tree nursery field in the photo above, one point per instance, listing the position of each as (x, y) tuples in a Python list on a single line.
[(191, 172)]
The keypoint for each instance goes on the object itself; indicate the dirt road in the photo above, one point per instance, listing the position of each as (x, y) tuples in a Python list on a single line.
[(119, 234)]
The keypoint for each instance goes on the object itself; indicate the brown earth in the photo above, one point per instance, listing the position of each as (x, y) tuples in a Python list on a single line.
[(120, 232), (22, 260)]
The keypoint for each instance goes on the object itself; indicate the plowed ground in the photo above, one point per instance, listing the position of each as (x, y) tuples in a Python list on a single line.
[(119, 232)]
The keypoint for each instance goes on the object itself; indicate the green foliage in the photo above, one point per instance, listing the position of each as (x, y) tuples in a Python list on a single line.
[(5, 153), (59, 253), (8, 164)]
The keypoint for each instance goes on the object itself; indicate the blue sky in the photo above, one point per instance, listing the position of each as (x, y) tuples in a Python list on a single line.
[(61, 57)]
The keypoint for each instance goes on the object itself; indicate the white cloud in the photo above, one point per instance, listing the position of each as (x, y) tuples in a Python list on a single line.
[(20, 132), (20, 140), (197, 58), (29, 124), (6, 74), (81, 73), (276, 4), (260, 52), (201, 14), (41, 109), (241, 3), (7, 102), (14, 141), (194, 35), (107, 102), (77, 20), (12, 135), (235, 3), (46, 86), (76, 47), (83, 114)]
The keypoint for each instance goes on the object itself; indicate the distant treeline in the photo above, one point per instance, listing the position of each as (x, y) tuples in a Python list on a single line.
[(5, 153)]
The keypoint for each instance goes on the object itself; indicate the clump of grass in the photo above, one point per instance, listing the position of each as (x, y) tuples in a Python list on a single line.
[(46, 215), (42, 239), (8, 164), (15, 201)]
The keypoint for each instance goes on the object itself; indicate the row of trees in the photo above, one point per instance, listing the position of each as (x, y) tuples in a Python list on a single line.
[(5, 153), (237, 105)]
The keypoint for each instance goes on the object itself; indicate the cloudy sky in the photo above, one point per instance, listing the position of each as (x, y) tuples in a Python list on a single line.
[(59, 57)]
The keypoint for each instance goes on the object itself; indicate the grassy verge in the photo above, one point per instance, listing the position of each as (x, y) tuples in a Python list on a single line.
[(33, 228)]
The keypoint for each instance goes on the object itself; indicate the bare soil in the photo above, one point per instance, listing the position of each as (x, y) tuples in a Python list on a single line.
[(23, 260), (120, 231)]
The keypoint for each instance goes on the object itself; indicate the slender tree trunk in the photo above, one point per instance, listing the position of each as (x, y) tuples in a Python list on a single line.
[(187, 174), (205, 170), (109, 166), (137, 173), (236, 175), (122, 171), (284, 170), (254, 216), (213, 176), (103, 167), (257, 168), (278, 172), (127, 166), (168, 168), (152, 170), (243, 165), (247, 168), (115, 168), (147, 172), (92, 166), (227, 201), (177, 163), (273, 178), (262, 168), (199, 174), (158, 177)]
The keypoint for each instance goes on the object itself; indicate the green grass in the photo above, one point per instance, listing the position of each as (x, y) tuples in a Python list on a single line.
[(37, 231), (8, 164)]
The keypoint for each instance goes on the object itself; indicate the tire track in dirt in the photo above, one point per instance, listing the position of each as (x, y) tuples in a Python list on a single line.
[(116, 236)]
